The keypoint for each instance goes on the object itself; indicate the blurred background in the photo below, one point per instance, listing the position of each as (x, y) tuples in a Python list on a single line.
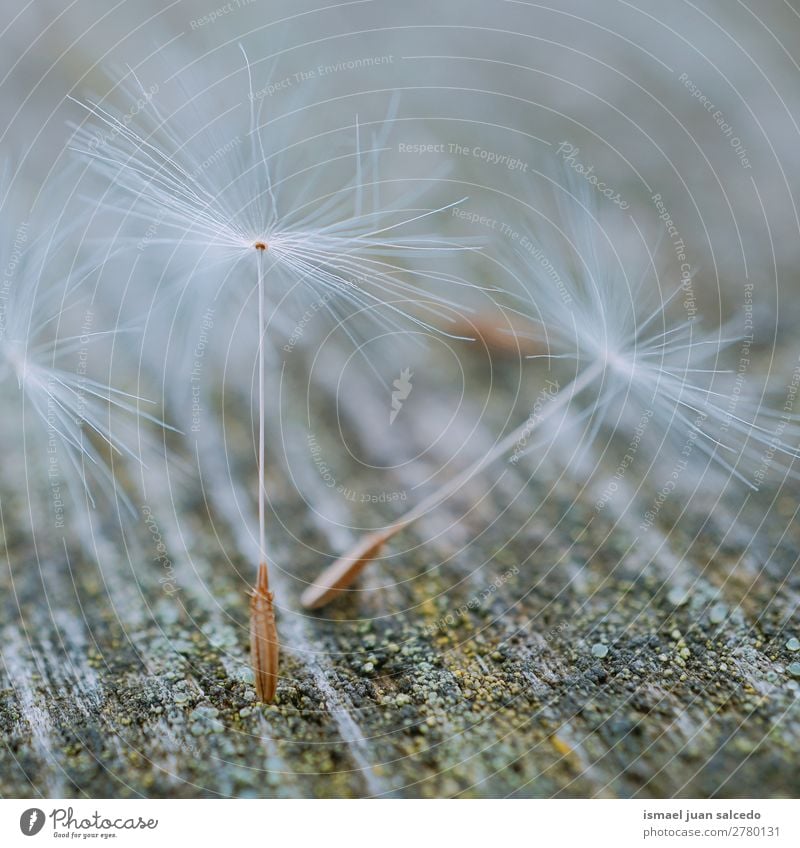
[(687, 113), (620, 81)]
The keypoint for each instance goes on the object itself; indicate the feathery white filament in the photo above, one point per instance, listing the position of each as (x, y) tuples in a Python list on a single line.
[(69, 406), (649, 360)]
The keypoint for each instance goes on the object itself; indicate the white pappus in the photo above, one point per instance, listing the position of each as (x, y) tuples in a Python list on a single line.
[(47, 318)]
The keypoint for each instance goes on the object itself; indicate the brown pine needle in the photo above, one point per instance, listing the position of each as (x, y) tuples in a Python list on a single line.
[(263, 638), (338, 576)]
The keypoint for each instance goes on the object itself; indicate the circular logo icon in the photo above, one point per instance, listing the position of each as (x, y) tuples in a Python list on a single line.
[(31, 821)]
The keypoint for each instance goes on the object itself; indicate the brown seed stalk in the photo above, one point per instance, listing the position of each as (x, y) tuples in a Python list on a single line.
[(264, 649), (338, 576), (342, 573)]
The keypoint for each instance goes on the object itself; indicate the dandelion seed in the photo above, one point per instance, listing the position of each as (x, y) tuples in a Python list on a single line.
[(224, 208), (35, 301), (626, 358)]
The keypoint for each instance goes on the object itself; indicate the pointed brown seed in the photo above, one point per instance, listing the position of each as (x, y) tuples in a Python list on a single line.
[(338, 576), (263, 638)]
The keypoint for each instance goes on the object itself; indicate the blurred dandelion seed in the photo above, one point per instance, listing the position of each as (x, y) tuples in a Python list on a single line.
[(35, 301), (625, 359)]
